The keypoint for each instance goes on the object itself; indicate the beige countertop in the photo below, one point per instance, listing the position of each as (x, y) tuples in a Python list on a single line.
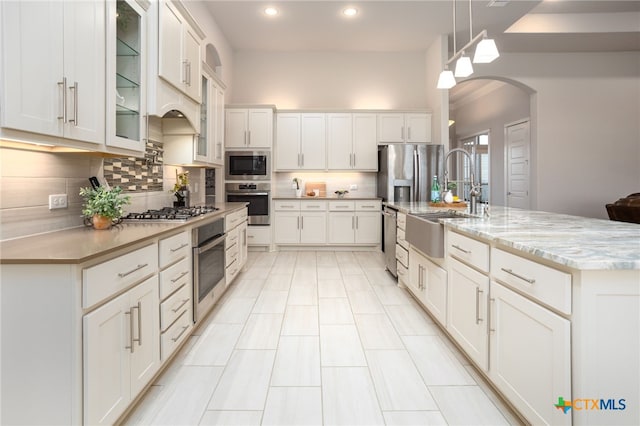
[(330, 198), (78, 245)]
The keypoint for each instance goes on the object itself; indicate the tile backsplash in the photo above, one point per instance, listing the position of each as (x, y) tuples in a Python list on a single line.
[(137, 174)]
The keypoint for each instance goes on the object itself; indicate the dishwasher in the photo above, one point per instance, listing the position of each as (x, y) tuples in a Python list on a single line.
[(389, 239)]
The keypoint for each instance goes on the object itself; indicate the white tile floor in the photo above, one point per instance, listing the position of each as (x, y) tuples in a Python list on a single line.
[(319, 338)]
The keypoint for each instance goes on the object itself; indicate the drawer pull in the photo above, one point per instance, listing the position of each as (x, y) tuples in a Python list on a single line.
[(139, 339), (180, 276), (461, 249), (510, 272), (250, 236), (341, 207), (173, 250), (368, 207), (478, 292), (286, 206), (175, 339), (130, 313), (184, 302), (137, 268)]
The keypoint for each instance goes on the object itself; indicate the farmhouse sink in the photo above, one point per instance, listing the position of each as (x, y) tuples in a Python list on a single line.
[(425, 232)]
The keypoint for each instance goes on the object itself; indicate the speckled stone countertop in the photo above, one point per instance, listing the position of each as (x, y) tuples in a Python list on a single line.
[(78, 245), (574, 241)]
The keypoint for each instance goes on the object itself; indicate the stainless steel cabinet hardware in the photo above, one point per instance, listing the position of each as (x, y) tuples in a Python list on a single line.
[(523, 278), (180, 276), (189, 73), (353, 222), (139, 308), (408, 132), (298, 226), (301, 222), (354, 159), (287, 206), (175, 339), (184, 302), (75, 103), (478, 293), (367, 206), (491, 327), (302, 156), (184, 70), (137, 268), (342, 207), (249, 137), (130, 313), (357, 223), (179, 248), (245, 137), (63, 83), (460, 248), (402, 132)]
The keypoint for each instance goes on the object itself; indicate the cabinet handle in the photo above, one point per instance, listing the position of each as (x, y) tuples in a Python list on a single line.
[(180, 276), (139, 308), (75, 103), (367, 206), (492, 309), (137, 268), (184, 302), (478, 292), (189, 73), (357, 223), (402, 133), (409, 133), (341, 207), (146, 118), (245, 137), (175, 339), (298, 226), (286, 206), (63, 83), (353, 225), (354, 159), (184, 69), (301, 222), (302, 156), (130, 347), (510, 272), (298, 159), (179, 248), (249, 137), (461, 249)]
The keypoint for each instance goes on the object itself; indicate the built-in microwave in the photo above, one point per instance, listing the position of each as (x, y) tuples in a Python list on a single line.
[(248, 165)]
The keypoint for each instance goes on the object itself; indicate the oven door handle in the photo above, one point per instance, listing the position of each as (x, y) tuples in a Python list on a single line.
[(213, 243), (247, 193)]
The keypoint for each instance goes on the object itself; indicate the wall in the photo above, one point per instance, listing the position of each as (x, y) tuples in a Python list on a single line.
[(492, 111), (438, 100), (366, 182), (331, 80), (585, 127)]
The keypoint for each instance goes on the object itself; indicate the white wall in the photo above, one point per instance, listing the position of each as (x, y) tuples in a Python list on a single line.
[(366, 183), (585, 126), (491, 112), (331, 80), (438, 100)]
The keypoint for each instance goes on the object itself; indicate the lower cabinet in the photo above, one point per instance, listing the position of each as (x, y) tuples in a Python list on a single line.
[(428, 282), (235, 244), (530, 356), (300, 222), (355, 222), (121, 348)]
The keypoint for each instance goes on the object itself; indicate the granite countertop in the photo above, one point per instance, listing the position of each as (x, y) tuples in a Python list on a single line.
[(78, 245), (573, 241)]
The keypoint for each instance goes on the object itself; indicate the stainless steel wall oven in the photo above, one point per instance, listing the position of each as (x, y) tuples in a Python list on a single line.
[(248, 165), (208, 266), (258, 195)]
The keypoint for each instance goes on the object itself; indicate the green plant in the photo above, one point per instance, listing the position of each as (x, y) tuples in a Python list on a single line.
[(104, 202), (451, 186), (297, 182), (182, 180)]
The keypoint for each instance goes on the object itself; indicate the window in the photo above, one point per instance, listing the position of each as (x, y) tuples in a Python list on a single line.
[(478, 147)]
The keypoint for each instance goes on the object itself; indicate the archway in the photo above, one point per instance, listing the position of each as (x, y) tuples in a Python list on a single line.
[(212, 58)]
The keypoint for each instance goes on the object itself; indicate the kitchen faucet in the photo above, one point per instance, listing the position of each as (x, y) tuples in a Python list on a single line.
[(475, 188)]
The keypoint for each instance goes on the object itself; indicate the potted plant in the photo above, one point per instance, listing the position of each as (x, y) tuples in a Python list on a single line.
[(297, 181), (181, 189), (102, 206)]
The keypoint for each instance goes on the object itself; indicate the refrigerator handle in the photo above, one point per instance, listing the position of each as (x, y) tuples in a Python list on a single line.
[(416, 176)]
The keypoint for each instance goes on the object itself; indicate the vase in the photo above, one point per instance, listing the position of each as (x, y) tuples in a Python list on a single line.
[(298, 193), (101, 222)]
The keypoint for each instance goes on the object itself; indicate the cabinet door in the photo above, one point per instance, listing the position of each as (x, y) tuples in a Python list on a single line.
[(193, 63), (365, 146), (530, 351), (313, 228), (236, 130), (416, 273), (144, 301), (368, 227), (435, 292), (32, 58), (244, 244), (391, 128), (339, 141), (106, 358), (468, 311), (341, 228), (418, 128), (287, 227), (207, 122), (260, 131), (313, 143), (218, 146), (288, 141), (170, 65)]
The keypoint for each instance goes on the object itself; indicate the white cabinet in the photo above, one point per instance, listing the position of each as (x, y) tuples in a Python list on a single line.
[(259, 235), (428, 282), (235, 244), (54, 62), (351, 142), (179, 53), (355, 222), (126, 75), (399, 128), (530, 356), (121, 351), (300, 222), (300, 141), (467, 311), (209, 147), (249, 128)]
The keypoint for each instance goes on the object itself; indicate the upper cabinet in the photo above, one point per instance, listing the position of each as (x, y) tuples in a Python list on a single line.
[(404, 128), (210, 142), (351, 141), (249, 128), (126, 75), (53, 56), (300, 141), (179, 61)]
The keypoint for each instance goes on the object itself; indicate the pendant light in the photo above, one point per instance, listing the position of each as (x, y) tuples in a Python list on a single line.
[(446, 80), (486, 51), (463, 66)]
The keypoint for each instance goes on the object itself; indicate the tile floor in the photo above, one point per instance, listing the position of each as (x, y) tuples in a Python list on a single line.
[(305, 338)]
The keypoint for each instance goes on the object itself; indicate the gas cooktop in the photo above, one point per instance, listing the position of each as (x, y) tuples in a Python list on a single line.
[(170, 214)]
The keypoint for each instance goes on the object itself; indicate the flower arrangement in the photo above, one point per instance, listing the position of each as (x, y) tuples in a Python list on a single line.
[(181, 189), (103, 206), (297, 182)]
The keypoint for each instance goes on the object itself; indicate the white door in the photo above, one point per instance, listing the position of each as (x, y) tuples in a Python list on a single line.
[(170, 65), (236, 130), (313, 143), (391, 128), (416, 273), (417, 128), (368, 227), (517, 143), (193, 62), (287, 227), (339, 141), (260, 128), (365, 143), (218, 146), (435, 298), (288, 141), (341, 228), (313, 228)]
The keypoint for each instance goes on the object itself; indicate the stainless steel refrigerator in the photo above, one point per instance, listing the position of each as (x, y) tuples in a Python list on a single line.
[(405, 172)]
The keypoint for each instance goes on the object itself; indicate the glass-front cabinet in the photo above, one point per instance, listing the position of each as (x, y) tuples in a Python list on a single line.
[(202, 142), (126, 75), (210, 143)]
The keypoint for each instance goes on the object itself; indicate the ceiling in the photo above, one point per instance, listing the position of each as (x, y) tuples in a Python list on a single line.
[(516, 25)]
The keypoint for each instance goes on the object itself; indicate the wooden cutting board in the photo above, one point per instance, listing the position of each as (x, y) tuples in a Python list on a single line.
[(461, 204), (320, 186)]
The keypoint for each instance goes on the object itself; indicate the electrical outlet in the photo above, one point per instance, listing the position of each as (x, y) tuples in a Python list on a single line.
[(353, 187), (57, 201)]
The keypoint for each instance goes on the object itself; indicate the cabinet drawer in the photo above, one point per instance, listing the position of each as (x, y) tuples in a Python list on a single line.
[(174, 248), (403, 273), (231, 255), (337, 206), (401, 221), (400, 238), (473, 252), (233, 219), (402, 255), (105, 279), (370, 206), (287, 205), (175, 306), (175, 277), (172, 338), (319, 206), (233, 268), (232, 239), (545, 284), (258, 235)]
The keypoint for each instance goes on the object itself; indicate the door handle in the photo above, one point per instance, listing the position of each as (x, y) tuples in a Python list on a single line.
[(63, 83), (75, 103), (478, 292), (139, 339)]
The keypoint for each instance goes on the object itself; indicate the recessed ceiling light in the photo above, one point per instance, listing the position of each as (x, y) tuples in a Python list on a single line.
[(271, 11), (350, 11)]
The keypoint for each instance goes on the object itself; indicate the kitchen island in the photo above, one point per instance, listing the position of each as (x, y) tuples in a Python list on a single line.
[(546, 306)]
